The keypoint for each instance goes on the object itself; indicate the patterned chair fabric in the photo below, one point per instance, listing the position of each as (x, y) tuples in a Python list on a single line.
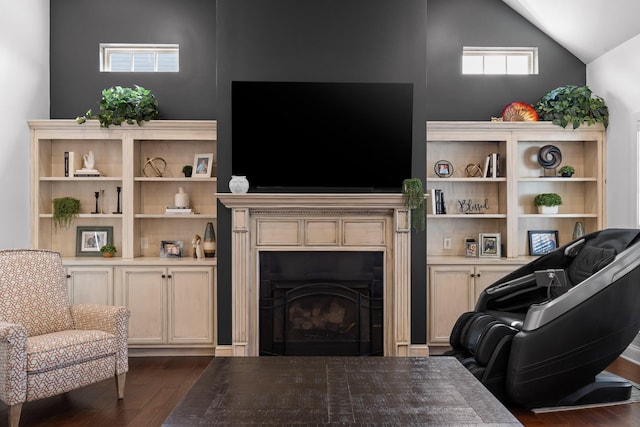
[(48, 347)]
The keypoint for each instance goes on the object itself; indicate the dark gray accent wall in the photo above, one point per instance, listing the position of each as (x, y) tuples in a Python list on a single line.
[(322, 40), (79, 26), (453, 24)]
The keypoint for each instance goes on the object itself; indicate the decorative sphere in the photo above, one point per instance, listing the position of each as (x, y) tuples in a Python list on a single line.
[(238, 184)]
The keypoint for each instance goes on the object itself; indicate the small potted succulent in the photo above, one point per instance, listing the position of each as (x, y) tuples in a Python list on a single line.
[(187, 170), (108, 250), (567, 171), (547, 203)]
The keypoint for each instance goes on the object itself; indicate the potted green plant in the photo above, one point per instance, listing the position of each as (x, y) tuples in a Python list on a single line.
[(413, 198), (572, 104), (65, 211), (567, 171), (187, 170), (123, 104), (547, 202), (108, 250)]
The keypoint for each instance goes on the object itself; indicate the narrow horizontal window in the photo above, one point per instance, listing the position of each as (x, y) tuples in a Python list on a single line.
[(139, 58), (500, 60)]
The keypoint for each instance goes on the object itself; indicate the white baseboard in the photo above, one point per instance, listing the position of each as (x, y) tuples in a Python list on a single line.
[(632, 354)]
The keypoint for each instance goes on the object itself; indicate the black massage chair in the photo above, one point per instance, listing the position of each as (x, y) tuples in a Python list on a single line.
[(542, 335)]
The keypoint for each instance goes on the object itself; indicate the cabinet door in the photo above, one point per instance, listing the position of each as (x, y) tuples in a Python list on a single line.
[(90, 285), (488, 274), (144, 292), (191, 305), (451, 293)]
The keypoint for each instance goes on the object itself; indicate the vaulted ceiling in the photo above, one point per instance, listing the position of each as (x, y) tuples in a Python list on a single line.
[(586, 28)]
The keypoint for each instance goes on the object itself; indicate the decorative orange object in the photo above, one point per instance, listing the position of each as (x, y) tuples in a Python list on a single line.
[(519, 112)]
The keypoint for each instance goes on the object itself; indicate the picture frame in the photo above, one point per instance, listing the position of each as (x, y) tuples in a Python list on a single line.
[(541, 242), (489, 245), (202, 165), (171, 248), (443, 168), (89, 239), (471, 248)]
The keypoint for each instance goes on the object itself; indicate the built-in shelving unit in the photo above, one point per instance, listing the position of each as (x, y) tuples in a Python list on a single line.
[(504, 204)]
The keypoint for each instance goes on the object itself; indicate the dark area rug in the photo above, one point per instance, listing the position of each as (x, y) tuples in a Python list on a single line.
[(398, 391)]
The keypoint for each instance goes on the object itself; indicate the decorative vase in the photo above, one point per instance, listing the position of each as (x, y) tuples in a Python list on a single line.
[(578, 230), (181, 199), (209, 241), (547, 209), (238, 184)]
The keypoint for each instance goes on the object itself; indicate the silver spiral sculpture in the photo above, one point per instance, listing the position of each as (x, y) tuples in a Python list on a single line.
[(549, 157)]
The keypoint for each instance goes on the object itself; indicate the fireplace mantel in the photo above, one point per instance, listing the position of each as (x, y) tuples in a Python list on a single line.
[(314, 222)]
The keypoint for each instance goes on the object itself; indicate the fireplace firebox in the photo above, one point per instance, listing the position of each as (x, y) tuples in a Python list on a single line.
[(321, 303)]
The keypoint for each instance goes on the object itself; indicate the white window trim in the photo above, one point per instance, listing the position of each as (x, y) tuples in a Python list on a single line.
[(530, 52), (106, 49)]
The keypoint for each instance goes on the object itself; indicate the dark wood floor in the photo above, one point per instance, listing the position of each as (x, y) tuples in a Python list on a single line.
[(155, 385)]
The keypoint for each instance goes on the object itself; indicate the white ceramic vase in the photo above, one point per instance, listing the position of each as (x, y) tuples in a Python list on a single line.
[(238, 184), (181, 199)]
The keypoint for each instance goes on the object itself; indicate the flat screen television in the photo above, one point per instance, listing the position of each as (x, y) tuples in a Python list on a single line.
[(321, 137)]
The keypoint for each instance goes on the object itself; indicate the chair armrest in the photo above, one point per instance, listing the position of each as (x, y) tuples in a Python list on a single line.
[(13, 363), (108, 318)]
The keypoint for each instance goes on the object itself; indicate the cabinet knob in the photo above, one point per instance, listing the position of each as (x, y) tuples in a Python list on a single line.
[(169, 276), (478, 275), (164, 276), (472, 275), (68, 276)]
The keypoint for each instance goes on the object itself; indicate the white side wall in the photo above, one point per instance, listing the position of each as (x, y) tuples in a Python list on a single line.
[(615, 76), (24, 85)]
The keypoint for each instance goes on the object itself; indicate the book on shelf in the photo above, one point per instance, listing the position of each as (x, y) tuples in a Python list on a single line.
[(431, 201), (72, 162), (492, 165), (175, 210), (435, 201)]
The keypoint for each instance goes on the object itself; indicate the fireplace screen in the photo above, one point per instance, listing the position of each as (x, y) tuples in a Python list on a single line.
[(321, 312)]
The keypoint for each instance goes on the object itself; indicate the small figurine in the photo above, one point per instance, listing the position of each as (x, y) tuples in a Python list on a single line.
[(89, 161), (198, 252)]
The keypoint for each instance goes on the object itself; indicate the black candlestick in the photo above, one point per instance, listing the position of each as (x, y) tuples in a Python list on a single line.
[(97, 197), (118, 189)]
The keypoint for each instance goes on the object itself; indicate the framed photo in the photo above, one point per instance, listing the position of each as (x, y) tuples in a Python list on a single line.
[(202, 165), (542, 241), (89, 240), (171, 248), (489, 245), (443, 168), (471, 248)]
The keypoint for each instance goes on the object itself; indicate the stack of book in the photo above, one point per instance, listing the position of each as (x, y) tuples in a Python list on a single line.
[(175, 210)]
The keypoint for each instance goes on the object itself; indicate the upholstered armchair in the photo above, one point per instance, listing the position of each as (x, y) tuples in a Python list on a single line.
[(47, 346)]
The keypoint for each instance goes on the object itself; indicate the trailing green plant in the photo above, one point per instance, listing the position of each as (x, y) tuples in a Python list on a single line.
[(547, 199), (567, 170), (413, 198), (65, 211), (110, 249), (123, 104), (572, 104)]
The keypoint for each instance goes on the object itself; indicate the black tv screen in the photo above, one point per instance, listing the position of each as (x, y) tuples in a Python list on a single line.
[(322, 137)]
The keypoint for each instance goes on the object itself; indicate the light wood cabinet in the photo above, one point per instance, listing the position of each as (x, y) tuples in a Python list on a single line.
[(453, 290), (90, 284), (501, 204), (170, 306)]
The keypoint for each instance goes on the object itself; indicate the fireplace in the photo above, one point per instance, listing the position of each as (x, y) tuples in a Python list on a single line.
[(321, 303), (311, 224)]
